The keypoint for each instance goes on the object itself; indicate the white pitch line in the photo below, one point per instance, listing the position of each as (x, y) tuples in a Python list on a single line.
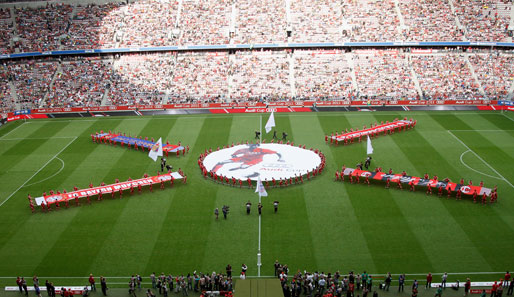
[(491, 167), (508, 117), (39, 138), (462, 161), (13, 130), (240, 115), (62, 167), (498, 130), (55, 156)]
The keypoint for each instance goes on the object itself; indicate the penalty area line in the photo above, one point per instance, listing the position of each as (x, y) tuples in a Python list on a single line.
[(491, 167), (55, 156), (12, 130)]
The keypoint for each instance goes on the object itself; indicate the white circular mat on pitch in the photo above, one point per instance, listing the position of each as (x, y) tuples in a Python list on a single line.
[(268, 160)]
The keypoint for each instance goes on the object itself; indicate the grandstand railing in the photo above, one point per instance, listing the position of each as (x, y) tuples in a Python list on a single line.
[(260, 46)]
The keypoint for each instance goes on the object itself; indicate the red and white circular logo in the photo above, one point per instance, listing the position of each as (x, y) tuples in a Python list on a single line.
[(267, 161)]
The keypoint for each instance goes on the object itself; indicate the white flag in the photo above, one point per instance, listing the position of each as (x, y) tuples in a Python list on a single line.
[(156, 150), (271, 123), (261, 189), (370, 148)]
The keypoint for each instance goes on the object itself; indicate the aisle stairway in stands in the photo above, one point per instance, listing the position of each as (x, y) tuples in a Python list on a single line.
[(457, 21), (292, 81), (43, 102), (402, 27), (349, 58), (414, 76), (475, 77), (14, 94)]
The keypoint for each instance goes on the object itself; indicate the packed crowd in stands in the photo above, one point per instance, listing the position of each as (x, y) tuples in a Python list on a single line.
[(200, 77), (429, 20), (264, 76), (53, 26), (259, 75), (316, 21), (79, 83), (495, 73), (6, 31), (384, 74), (370, 20), (205, 22), (484, 20), (445, 76), (141, 79), (40, 29), (261, 23), (31, 80), (149, 23), (322, 74), (92, 26)]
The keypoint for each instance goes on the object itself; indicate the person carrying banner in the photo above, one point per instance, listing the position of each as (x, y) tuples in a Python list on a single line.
[(429, 189), (412, 187)]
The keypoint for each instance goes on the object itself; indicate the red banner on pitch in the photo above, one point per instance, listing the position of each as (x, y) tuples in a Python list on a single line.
[(375, 130), (127, 185)]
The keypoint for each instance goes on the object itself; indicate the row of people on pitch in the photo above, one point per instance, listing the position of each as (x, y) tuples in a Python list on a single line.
[(100, 194), (259, 207), (493, 196), (321, 284), (354, 135), (197, 282), (137, 144)]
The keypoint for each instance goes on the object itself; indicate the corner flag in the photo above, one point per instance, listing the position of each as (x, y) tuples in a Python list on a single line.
[(370, 148), (271, 123), (156, 150), (260, 189)]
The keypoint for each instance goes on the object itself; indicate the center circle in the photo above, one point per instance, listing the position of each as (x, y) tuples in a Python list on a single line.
[(267, 161)]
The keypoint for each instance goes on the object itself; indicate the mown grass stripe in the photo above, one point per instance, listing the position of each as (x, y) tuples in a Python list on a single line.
[(331, 218), (180, 245), (41, 228), (437, 222), (291, 223), (99, 217), (464, 213), (380, 217)]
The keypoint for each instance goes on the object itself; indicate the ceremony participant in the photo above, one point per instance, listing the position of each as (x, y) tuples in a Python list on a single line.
[(368, 162), (224, 209), (429, 281), (248, 206), (103, 285), (275, 205), (92, 282)]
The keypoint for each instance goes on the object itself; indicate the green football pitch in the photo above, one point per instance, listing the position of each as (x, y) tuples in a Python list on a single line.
[(321, 225)]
